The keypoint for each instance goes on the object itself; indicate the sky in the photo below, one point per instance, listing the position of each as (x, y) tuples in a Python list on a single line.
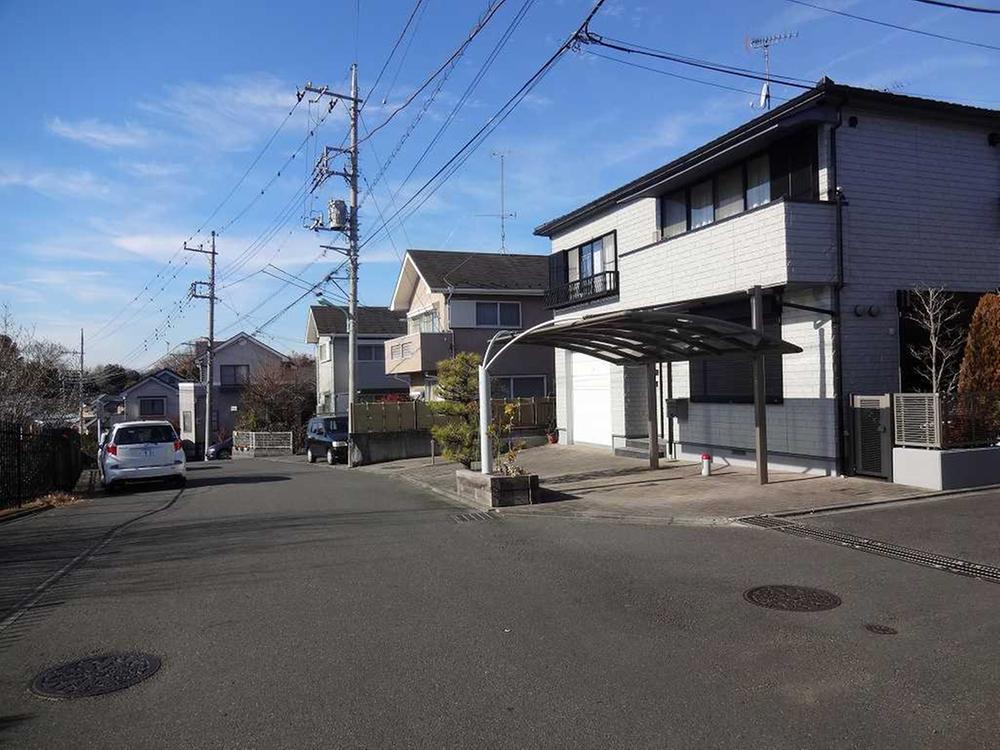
[(132, 128)]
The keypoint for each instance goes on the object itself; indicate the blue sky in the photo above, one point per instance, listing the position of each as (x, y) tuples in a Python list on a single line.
[(127, 123)]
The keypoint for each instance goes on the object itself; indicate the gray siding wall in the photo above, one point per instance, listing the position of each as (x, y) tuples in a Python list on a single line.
[(153, 389), (923, 210)]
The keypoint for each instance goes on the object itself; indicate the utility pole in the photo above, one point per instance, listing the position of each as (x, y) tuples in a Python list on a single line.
[(81, 383), (211, 331), (336, 222)]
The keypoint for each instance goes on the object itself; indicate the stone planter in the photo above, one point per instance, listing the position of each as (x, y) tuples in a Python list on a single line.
[(494, 491)]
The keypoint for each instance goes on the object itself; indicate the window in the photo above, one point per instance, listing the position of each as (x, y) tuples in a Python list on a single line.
[(498, 314), (187, 421), (730, 381), (154, 433), (758, 181), (730, 193), (702, 204), (425, 322), (591, 259), (673, 212), (152, 407), (234, 374), (370, 352), (519, 386), (324, 352), (794, 172)]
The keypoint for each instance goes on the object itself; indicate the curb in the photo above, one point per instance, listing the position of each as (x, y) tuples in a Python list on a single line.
[(930, 495), (18, 515)]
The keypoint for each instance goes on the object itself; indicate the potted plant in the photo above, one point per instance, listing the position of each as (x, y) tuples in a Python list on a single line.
[(552, 432)]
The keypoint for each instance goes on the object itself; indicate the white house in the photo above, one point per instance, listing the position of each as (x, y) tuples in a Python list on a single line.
[(836, 202)]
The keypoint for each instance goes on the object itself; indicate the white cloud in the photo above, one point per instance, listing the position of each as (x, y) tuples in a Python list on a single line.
[(152, 169), (85, 286), (55, 183), (93, 132)]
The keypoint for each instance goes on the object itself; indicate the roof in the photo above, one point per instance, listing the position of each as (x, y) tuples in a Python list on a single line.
[(644, 336), (154, 378), (332, 320), (794, 112), (458, 270), (220, 345)]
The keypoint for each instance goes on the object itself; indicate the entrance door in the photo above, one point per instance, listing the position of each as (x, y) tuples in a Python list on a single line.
[(591, 402), (873, 435)]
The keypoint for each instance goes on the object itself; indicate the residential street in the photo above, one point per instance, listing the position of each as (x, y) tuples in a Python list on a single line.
[(298, 605)]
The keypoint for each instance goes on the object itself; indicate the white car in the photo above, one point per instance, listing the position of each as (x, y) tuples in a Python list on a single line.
[(136, 451)]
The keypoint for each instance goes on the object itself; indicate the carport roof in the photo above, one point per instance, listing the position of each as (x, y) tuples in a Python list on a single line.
[(641, 336)]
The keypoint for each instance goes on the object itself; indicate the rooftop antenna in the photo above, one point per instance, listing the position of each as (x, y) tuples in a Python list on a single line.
[(765, 43), (503, 215)]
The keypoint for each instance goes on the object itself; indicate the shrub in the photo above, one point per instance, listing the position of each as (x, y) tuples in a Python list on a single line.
[(980, 371), (458, 387)]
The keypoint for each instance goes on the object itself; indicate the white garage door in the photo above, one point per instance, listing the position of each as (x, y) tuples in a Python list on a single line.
[(591, 380)]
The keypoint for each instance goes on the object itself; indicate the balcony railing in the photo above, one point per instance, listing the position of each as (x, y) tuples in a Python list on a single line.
[(599, 285)]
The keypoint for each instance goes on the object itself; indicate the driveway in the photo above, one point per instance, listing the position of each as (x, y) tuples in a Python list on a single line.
[(310, 606)]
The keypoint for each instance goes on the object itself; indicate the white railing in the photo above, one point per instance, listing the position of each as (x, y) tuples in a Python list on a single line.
[(248, 444)]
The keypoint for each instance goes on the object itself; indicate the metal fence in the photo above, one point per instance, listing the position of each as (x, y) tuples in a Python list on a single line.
[(246, 444), (417, 415), (946, 420), (35, 461)]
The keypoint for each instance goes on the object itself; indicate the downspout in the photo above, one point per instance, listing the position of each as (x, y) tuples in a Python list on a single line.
[(833, 190)]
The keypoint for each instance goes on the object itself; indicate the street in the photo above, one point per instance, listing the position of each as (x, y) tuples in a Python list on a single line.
[(297, 605)]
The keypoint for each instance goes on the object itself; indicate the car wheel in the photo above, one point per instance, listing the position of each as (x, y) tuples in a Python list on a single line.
[(309, 456), (179, 481), (112, 488), (329, 456)]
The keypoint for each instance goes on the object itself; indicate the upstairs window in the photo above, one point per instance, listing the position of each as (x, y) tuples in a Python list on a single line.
[(702, 204), (152, 407), (425, 322), (234, 374), (371, 352), (498, 314), (674, 213), (758, 181), (729, 187)]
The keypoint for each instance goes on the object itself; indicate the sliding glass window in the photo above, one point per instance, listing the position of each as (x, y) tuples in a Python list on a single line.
[(702, 204)]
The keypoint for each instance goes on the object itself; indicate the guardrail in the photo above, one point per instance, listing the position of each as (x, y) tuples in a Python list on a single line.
[(940, 420)]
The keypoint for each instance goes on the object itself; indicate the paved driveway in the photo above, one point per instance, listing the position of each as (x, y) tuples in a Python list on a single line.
[(309, 606)]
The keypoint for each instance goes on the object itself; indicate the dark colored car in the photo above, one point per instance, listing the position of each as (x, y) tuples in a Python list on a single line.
[(222, 449), (326, 437)]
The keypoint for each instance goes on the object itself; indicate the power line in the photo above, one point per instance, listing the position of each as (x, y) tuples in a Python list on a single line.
[(898, 27), (959, 6), (392, 51), (491, 10)]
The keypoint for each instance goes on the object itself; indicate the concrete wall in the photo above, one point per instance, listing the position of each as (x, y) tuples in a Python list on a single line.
[(946, 470)]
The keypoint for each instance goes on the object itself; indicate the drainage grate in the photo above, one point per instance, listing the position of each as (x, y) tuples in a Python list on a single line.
[(476, 515), (95, 675), (874, 627), (792, 598), (955, 565)]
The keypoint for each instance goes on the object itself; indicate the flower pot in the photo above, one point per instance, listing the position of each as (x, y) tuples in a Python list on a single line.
[(553, 437)]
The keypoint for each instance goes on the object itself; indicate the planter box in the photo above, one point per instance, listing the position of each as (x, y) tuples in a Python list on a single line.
[(493, 491), (953, 469)]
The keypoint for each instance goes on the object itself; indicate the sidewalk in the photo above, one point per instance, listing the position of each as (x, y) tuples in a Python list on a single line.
[(585, 482)]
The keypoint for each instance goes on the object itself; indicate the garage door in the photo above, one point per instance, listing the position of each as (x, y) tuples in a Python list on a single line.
[(591, 380)]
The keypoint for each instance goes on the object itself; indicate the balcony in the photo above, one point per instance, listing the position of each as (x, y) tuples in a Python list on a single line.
[(603, 284), (416, 352)]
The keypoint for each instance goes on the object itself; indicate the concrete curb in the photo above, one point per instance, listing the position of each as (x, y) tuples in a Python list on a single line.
[(19, 515), (919, 497)]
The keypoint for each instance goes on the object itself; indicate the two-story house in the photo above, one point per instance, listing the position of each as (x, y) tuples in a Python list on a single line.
[(233, 363), (154, 397), (326, 328), (456, 302), (837, 203)]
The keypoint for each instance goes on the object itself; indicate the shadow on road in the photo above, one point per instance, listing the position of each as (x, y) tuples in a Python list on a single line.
[(248, 479)]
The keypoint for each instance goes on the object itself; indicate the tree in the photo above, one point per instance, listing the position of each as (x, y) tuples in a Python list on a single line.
[(980, 371), (113, 378), (35, 383), (937, 314), (458, 386), (278, 398)]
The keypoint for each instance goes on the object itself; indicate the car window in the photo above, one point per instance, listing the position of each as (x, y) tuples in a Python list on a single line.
[(338, 424), (155, 433)]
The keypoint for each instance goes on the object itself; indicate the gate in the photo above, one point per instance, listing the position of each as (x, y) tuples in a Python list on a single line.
[(873, 435)]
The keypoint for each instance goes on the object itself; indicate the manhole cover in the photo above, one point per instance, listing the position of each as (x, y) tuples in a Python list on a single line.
[(874, 627), (95, 675), (792, 598)]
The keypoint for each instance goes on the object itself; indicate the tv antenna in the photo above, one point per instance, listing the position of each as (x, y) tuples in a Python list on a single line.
[(765, 43), (504, 214)]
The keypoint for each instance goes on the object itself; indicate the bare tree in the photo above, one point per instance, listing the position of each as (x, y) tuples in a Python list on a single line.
[(938, 315), (35, 383)]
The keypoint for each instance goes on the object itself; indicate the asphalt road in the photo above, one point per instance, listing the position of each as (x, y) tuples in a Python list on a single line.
[(303, 606)]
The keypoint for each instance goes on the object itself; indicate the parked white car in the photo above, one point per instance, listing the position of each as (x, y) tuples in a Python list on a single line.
[(135, 451)]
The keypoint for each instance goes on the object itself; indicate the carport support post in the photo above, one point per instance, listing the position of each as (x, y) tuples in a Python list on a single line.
[(485, 455), (759, 393), (652, 427)]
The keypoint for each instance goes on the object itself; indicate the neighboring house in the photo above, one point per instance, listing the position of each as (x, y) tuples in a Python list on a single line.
[(919, 183), (108, 409), (153, 397), (456, 302), (326, 327), (234, 362)]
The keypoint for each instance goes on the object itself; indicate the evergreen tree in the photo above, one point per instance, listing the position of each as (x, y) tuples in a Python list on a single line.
[(980, 370)]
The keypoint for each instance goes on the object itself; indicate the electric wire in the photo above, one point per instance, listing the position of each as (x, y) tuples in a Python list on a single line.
[(959, 6)]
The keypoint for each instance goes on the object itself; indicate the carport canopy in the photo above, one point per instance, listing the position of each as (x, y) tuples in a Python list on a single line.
[(648, 337)]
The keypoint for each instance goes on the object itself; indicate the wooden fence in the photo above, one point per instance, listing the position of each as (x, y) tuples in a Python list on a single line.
[(369, 417)]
